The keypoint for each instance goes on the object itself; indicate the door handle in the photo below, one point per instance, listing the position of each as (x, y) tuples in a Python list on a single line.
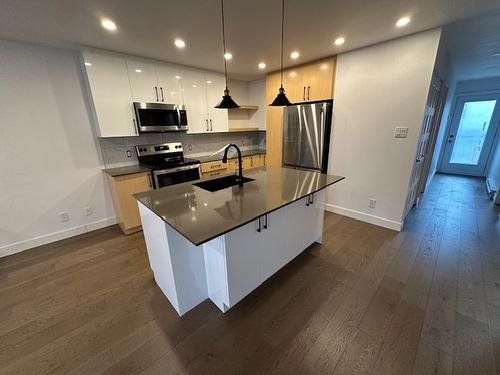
[(161, 90), (156, 92), (304, 94), (206, 120), (308, 91), (211, 127)]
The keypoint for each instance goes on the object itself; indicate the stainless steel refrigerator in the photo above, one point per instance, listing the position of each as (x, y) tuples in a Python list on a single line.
[(306, 135)]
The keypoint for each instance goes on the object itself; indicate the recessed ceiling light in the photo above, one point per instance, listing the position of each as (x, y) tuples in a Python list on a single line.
[(339, 41), (497, 54), (194, 86), (295, 55), (138, 71), (179, 43), (209, 82), (403, 21), (177, 77), (108, 24), (262, 65), (87, 63), (228, 55)]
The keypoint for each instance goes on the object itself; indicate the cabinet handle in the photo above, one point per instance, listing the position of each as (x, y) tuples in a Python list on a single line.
[(259, 228), (304, 94), (308, 201), (206, 120), (161, 90), (150, 181), (265, 221), (211, 127), (156, 92), (215, 166), (308, 91), (135, 126), (312, 198)]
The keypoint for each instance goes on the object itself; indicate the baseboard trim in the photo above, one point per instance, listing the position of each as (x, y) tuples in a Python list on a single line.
[(362, 216), (17, 247)]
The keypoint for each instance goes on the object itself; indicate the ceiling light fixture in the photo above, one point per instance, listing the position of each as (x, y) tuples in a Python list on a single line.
[(403, 21), (339, 41), (177, 77), (138, 71), (227, 101), (262, 65), (209, 82), (87, 63), (295, 55), (281, 99), (179, 43), (108, 24)]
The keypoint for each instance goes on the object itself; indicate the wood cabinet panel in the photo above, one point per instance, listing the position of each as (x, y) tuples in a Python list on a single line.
[(319, 83), (122, 190), (211, 166)]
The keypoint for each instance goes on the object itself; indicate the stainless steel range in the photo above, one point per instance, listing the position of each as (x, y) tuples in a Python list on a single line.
[(168, 164)]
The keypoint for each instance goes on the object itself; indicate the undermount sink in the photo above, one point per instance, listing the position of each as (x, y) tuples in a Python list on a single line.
[(221, 183)]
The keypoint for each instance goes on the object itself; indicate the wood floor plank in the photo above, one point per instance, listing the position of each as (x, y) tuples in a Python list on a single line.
[(431, 360)]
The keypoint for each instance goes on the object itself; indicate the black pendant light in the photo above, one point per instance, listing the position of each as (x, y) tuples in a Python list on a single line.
[(281, 99), (226, 102)]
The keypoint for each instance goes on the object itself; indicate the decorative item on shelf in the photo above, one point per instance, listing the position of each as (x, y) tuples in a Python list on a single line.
[(281, 99), (227, 102)]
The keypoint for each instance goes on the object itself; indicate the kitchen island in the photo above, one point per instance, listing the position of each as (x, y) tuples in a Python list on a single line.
[(222, 245)]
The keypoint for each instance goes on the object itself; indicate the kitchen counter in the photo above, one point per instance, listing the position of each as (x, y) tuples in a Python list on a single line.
[(200, 215), (122, 171), (207, 158)]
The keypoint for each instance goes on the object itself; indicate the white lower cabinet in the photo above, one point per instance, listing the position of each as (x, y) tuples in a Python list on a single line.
[(239, 261)]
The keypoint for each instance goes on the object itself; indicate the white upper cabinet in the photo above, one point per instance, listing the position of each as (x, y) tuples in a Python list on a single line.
[(110, 90), (143, 82), (217, 118), (202, 92), (169, 84), (195, 100), (116, 81)]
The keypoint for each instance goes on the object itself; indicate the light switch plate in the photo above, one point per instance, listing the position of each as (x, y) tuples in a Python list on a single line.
[(400, 132)]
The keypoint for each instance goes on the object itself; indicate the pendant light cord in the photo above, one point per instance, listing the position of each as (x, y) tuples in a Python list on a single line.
[(224, 41), (282, 36)]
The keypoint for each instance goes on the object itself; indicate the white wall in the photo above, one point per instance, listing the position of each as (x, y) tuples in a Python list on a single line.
[(49, 158), (376, 89)]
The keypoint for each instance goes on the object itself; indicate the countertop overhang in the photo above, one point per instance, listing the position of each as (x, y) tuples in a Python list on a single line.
[(201, 216)]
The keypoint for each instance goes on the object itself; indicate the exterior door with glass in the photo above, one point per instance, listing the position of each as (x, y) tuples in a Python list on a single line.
[(471, 135)]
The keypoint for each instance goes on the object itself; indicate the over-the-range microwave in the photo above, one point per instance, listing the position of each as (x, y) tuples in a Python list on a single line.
[(160, 117)]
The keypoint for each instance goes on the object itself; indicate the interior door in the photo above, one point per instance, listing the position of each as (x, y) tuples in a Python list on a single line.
[(471, 134)]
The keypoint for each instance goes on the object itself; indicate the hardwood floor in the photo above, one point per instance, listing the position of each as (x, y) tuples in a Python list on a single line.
[(367, 301)]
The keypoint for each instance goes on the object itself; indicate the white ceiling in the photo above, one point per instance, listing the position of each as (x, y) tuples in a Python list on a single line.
[(472, 43), (148, 27)]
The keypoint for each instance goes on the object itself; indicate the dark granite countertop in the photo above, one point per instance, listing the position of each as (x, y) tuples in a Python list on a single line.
[(122, 171), (204, 159), (200, 215)]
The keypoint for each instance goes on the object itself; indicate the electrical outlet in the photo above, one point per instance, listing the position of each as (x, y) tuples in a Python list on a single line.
[(372, 203), (87, 211), (129, 154), (64, 216), (400, 132)]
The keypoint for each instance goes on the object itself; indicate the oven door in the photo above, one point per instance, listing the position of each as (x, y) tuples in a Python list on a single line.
[(167, 177), (159, 117)]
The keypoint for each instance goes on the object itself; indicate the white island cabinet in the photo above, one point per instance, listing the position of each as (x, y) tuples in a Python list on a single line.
[(222, 245)]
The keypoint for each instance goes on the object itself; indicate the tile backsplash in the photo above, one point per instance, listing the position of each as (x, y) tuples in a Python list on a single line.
[(120, 151)]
